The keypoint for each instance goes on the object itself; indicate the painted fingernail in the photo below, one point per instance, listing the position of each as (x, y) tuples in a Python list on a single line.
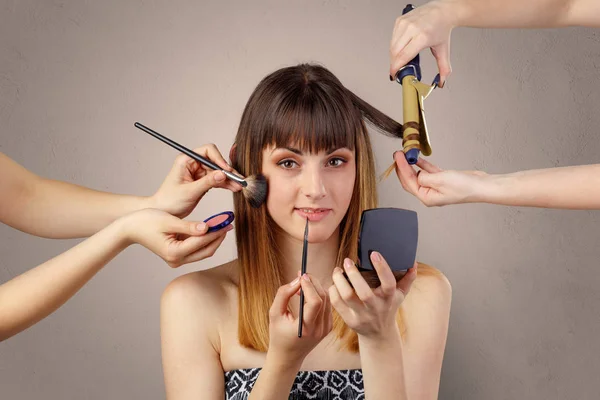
[(347, 264), (376, 256), (391, 79), (295, 282), (228, 228), (201, 227)]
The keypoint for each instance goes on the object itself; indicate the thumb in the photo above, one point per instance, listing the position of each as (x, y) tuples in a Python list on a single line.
[(188, 227), (442, 56), (404, 284), (429, 180)]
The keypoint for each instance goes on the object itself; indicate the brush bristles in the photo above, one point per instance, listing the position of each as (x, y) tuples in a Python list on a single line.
[(256, 190)]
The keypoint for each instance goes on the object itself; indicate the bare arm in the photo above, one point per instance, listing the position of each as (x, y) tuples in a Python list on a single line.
[(189, 315), (576, 187), (32, 296), (526, 14), (427, 312), (383, 367), (410, 367), (55, 209), (567, 187), (431, 25)]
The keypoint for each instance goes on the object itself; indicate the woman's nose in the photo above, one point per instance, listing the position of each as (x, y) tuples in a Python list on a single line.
[(313, 185)]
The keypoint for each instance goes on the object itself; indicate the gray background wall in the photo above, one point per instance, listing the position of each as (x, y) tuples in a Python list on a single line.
[(74, 76)]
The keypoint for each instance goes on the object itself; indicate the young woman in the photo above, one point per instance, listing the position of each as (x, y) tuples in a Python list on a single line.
[(231, 331)]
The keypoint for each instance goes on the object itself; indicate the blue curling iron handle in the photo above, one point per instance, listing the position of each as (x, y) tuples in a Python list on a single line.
[(414, 66)]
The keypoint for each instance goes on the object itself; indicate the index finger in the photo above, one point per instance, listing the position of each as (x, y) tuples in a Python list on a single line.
[(406, 173), (283, 296), (211, 152)]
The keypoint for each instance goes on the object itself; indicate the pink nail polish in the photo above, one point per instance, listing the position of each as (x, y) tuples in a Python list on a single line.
[(376, 256)]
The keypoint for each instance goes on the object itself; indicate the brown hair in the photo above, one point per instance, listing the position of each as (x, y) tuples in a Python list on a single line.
[(304, 105)]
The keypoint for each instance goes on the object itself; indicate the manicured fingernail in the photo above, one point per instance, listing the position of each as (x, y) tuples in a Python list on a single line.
[(338, 269), (391, 79), (228, 228), (347, 264), (376, 256), (295, 282), (394, 155), (306, 277), (201, 227)]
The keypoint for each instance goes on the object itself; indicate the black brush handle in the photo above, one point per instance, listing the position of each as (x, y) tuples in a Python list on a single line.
[(302, 272), (190, 153)]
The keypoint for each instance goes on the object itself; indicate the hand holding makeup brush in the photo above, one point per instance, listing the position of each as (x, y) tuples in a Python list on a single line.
[(286, 350), (188, 181), (283, 328)]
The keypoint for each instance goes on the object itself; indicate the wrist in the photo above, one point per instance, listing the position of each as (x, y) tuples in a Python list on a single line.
[(283, 364), (459, 11), (121, 230), (381, 339), (492, 189), (148, 202)]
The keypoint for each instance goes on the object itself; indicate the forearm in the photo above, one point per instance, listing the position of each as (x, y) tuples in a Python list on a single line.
[(32, 296), (275, 380), (57, 209), (575, 187), (524, 14), (383, 367)]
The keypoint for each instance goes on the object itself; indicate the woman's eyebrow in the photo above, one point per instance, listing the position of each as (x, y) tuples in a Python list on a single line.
[(293, 150), (299, 152)]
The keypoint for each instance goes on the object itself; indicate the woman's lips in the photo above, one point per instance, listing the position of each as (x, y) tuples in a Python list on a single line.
[(313, 214)]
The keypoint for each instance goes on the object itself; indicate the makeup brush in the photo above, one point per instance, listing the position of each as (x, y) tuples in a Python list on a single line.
[(303, 271), (254, 188)]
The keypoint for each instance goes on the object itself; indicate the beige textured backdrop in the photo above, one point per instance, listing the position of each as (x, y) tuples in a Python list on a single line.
[(74, 76)]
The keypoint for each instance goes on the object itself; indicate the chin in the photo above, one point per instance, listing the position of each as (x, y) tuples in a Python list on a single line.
[(319, 234)]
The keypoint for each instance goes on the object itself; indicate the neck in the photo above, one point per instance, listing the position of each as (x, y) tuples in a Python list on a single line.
[(320, 258)]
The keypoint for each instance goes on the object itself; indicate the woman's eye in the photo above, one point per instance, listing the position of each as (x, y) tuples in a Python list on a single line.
[(336, 162), (287, 164)]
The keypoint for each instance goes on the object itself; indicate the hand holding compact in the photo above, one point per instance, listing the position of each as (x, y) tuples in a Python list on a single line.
[(370, 312)]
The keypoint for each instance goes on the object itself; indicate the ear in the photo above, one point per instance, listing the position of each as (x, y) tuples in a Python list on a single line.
[(232, 153)]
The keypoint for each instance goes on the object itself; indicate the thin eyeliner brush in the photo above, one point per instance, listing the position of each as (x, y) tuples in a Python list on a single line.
[(303, 271)]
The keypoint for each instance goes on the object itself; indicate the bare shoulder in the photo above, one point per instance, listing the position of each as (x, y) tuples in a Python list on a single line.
[(207, 285), (431, 285), (427, 306), (201, 295)]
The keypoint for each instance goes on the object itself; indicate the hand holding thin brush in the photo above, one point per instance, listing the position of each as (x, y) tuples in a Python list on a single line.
[(283, 330), (188, 181)]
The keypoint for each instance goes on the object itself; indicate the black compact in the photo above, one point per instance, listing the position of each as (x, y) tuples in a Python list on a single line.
[(394, 233)]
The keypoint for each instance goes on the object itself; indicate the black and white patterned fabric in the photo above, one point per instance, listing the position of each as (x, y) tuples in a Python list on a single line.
[(314, 385)]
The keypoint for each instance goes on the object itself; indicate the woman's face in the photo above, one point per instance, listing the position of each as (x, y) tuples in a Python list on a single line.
[(306, 185)]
